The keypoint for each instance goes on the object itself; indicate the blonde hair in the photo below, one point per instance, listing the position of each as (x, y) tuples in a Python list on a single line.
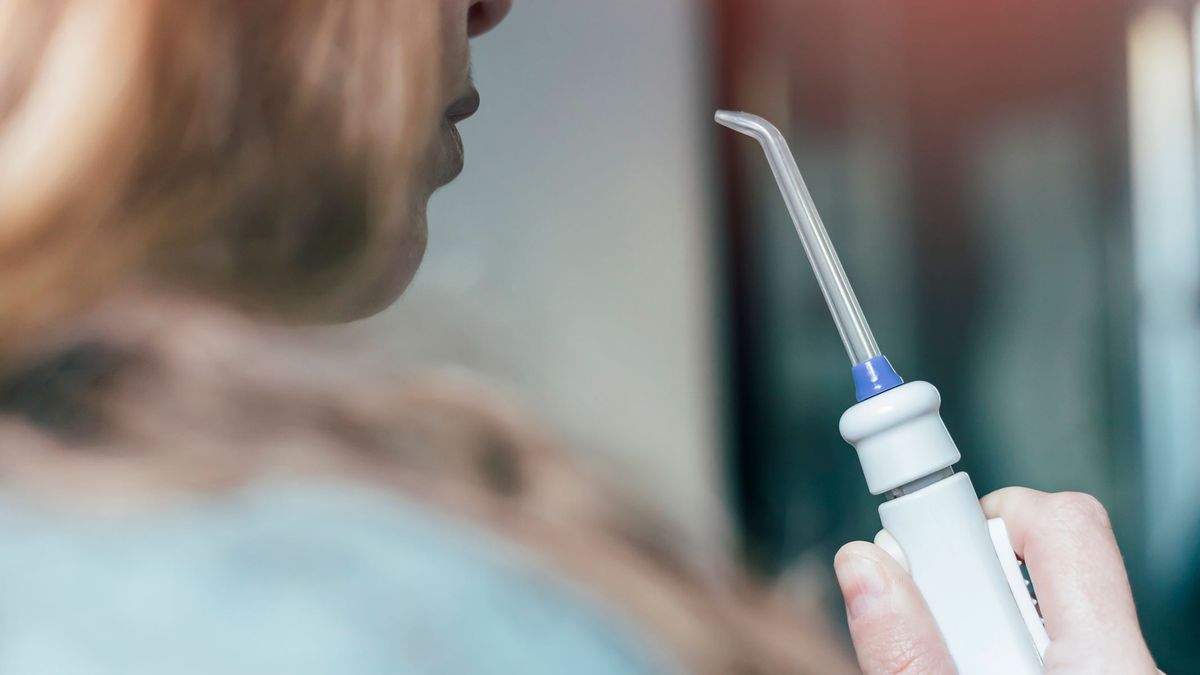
[(238, 147)]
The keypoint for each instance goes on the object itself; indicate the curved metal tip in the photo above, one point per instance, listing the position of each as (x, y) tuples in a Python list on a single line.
[(750, 125), (847, 314)]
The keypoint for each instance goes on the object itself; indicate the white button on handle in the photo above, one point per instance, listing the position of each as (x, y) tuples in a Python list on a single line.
[(1018, 585)]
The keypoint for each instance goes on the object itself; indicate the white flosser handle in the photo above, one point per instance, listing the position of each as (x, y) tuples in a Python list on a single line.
[(936, 528), (946, 545), (1011, 567), (934, 524)]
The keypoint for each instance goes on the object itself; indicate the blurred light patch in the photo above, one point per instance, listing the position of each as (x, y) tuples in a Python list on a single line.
[(1162, 117)]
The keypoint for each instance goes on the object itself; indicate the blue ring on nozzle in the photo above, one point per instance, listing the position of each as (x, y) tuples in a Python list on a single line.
[(873, 377)]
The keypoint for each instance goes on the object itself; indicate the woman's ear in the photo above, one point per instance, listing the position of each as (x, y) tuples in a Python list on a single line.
[(83, 99)]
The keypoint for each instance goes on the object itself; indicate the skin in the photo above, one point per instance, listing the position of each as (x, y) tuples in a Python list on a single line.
[(386, 275), (460, 22), (1068, 545)]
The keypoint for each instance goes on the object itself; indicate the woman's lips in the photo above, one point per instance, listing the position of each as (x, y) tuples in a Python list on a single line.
[(464, 106), (451, 163)]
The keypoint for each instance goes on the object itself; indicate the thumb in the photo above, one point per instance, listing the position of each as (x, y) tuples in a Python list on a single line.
[(892, 629)]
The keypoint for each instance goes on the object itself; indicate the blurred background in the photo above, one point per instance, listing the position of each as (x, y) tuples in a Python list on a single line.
[(1012, 187)]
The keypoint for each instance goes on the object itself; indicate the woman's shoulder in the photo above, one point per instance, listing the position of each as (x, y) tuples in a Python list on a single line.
[(148, 401)]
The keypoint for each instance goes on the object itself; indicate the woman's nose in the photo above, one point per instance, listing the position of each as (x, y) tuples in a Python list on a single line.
[(485, 15)]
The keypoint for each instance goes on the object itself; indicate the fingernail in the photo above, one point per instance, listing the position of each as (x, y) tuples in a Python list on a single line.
[(863, 585)]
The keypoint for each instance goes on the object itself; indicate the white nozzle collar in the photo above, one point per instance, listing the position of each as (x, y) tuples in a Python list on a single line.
[(899, 436)]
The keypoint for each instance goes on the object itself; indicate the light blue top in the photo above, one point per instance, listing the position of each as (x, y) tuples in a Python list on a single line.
[(293, 579)]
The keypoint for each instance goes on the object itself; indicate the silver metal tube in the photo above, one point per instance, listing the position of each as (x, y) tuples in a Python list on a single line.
[(924, 481), (831, 277)]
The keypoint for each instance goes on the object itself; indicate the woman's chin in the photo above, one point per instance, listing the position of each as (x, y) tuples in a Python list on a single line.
[(379, 281)]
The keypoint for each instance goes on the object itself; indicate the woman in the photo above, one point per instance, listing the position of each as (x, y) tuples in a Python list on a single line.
[(189, 488)]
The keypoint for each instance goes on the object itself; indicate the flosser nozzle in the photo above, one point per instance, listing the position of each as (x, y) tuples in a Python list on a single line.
[(872, 372)]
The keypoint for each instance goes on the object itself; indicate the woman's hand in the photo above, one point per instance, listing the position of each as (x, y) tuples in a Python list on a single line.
[(1066, 541)]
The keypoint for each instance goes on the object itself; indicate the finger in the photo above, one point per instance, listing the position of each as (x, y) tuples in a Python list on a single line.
[(1076, 568), (892, 629)]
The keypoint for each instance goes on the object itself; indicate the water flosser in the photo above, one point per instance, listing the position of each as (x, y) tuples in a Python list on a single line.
[(933, 526)]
